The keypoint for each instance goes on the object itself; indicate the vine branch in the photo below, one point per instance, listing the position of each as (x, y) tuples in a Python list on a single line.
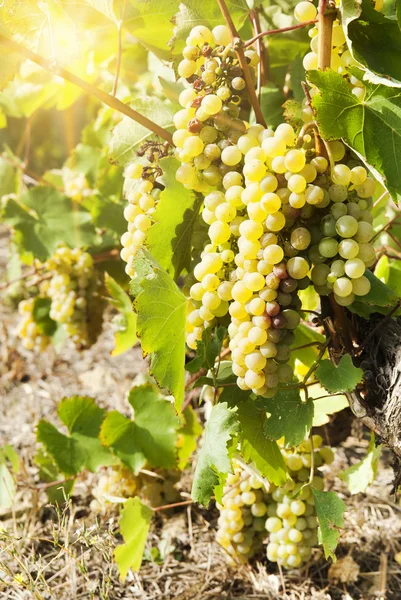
[(275, 31), (239, 49), (326, 16), (88, 88)]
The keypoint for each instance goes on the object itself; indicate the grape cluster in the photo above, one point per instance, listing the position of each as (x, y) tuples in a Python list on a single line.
[(251, 506), (28, 330), (76, 185), (292, 522), (209, 120), (278, 215), (142, 199), (72, 283), (241, 524), (119, 482)]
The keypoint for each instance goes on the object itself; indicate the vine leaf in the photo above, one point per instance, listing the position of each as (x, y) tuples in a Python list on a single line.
[(7, 483), (373, 39), (169, 239), (305, 335), (290, 417), (125, 336), (340, 114), (46, 218), (134, 524), (329, 509), (359, 476), (207, 349), (128, 136), (257, 447), (41, 316), (146, 438), (380, 298), (82, 447), (343, 377), (188, 434), (161, 310), (49, 472), (214, 457), (324, 406)]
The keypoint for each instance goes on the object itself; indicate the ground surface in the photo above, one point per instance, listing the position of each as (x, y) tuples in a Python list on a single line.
[(50, 555)]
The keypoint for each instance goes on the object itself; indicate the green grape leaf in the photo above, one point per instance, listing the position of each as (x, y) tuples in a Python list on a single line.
[(145, 438), (195, 12), (134, 524), (388, 271), (46, 218), (329, 509), (82, 447), (325, 406), (8, 173), (11, 455), (125, 337), (9, 61), (340, 114), (381, 298), (151, 24), (257, 447), (290, 417), (360, 475), (271, 102), (41, 316), (188, 434), (343, 377), (161, 310), (7, 484), (49, 472), (169, 239), (207, 349), (128, 136), (213, 457), (373, 39), (306, 335)]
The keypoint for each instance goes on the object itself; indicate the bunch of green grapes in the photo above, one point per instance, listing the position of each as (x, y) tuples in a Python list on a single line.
[(73, 284), (241, 524), (209, 120), (119, 482), (76, 185), (142, 199), (342, 251), (292, 522), (28, 330)]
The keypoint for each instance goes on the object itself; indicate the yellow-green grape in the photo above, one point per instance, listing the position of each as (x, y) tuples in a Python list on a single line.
[(28, 330), (305, 11), (241, 524), (73, 282), (142, 201), (291, 521)]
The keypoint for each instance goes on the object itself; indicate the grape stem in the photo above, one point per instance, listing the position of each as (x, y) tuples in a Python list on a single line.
[(174, 505), (275, 31), (238, 46), (87, 88), (326, 17), (262, 53), (119, 48)]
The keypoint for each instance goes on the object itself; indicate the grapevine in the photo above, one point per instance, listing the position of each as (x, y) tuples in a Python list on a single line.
[(217, 185)]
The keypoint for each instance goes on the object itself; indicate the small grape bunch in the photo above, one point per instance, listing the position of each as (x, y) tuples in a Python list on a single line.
[(73, 284), (142, 199), (28, 330), (241, 524), (292, 523), (209, 120)]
